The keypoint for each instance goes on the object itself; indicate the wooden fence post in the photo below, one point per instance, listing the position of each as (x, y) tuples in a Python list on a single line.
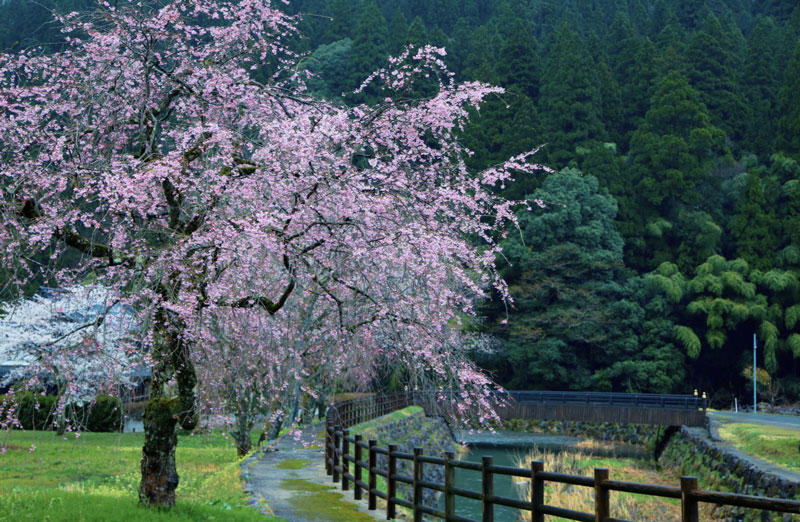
[(488, 489), (391, 482), (449, 483), (416, 485), (328, 446), (372, 481), (345, 462), (357, 471), (537, 491), (337, 439), (602, 508), (689, 511)]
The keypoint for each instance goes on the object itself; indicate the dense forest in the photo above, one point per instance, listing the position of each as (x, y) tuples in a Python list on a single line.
[(670, 233)]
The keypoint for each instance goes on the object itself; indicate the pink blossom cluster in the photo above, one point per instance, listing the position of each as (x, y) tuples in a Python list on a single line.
[(279, 233)]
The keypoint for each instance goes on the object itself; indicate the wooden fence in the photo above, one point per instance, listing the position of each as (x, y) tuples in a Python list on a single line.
[(343, 450)]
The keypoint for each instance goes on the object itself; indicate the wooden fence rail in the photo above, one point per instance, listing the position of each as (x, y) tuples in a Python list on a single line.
[(341, 457), (342, 450)]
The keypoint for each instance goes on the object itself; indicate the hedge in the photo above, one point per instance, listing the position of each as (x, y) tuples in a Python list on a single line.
[(35, 412)]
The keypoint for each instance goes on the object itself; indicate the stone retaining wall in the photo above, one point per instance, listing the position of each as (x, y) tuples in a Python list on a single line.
[(720, 467), (641, 434), (415, 431), (717, 466)]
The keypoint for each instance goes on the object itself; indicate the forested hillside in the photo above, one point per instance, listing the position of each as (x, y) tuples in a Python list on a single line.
[(671, 232)]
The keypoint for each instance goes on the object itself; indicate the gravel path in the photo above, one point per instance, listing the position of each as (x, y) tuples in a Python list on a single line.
[(288, 480)]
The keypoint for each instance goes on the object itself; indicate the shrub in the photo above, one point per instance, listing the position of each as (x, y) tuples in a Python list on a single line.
[(36, 412)]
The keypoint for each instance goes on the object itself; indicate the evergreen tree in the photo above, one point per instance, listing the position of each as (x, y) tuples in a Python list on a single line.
[(639, 16), (671, 45), (789, 107), (519, 62), (714, 71), (328, 63), (442, 14), (370, 48), (755, 229), (636, 78), (687, 12), (565, 272), (506, 124), (656, 363), (570, 100), (671, 153), (418, 8), (398, 32), (341, 26), (779, 9), (417, 34), (610, 92), (480, 62), (761, 80), (458, 51)]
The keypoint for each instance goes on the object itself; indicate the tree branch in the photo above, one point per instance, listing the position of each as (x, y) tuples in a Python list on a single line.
[(267, 304)]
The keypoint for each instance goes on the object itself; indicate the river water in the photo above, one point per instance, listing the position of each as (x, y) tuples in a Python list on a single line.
[(467, 479), (504, 448)]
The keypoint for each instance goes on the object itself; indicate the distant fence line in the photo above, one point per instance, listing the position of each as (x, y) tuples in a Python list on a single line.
[(339, 457)]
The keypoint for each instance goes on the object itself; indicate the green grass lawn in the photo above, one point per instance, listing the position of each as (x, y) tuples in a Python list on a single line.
[(96, 477), (773, 444)]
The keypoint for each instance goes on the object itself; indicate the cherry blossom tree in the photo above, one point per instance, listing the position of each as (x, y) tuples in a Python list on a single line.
[(147, 151), (79, 339)]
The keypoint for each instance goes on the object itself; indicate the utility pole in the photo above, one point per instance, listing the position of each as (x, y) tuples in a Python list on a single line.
[(754, 373)]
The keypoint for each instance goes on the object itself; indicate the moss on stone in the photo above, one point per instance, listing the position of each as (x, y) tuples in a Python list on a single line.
[(293, 464), (318, 502)]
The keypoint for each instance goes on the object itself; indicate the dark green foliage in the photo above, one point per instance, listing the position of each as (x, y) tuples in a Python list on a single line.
[(571, 99), (369, 49), (37, 412), (761, 83), (505, 126), (398, 32), (632, 63), (564, 269), (755, 227), (417, 33), (25, 24), (342, 24), (789, 107), (519, 65), (716, 63), (328, 65), (671, 157)]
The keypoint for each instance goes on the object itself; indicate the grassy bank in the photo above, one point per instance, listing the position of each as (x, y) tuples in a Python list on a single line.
[(776, 445), (623, 505), (96, 476)]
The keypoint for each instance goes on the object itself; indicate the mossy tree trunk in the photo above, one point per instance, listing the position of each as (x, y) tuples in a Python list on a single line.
[(163, 414), (159, 474)]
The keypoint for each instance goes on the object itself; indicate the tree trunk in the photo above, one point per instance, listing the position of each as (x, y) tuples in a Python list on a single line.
[(243, 443), (159, 476), (162, 414)]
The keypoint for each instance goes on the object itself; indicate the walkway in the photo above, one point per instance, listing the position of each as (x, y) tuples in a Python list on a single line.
[(766, 419), (288, 480)]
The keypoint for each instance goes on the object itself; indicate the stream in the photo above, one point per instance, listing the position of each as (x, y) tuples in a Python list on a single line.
[(504, 447)]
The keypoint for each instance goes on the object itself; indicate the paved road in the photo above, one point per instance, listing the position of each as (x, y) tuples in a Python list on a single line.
[(782, 421)]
